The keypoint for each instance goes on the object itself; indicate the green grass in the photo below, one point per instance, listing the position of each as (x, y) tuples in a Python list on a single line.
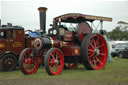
[(115, 71)]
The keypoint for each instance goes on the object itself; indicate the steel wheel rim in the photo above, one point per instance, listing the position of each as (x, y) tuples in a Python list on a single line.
[(29, 63), (97, 52), (55, 62)]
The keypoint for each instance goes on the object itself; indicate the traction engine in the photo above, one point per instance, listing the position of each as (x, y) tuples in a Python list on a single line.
[(66, 47)]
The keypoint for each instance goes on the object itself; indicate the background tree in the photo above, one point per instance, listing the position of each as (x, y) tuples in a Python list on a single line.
[(120, 32)]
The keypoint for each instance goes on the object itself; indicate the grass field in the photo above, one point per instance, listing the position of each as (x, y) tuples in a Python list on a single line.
[(115, 73)]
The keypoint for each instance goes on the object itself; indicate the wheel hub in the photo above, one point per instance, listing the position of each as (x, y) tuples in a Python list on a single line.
[(28, 61), (56, 61), (96, 52), (9, 63)]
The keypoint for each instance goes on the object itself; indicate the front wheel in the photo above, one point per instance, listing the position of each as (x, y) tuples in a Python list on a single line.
[(54, 61), (27, 62)]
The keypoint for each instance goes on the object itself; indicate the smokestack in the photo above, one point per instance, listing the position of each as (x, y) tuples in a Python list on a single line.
[(42, 13)]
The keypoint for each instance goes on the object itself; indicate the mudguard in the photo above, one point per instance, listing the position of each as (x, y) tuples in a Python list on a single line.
[(7, 52)]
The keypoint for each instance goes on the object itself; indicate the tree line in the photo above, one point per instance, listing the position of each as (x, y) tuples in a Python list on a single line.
[(118, 33)]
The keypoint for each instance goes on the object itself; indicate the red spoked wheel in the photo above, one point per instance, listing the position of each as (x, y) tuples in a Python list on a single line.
[(71, 65), (27, 62), (54, 61), (94, 51)]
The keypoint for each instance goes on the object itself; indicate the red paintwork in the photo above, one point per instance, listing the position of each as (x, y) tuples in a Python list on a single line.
[(70, 50), (68, 36), (62, 43), (55, 42), (67, 51), (75, 50)]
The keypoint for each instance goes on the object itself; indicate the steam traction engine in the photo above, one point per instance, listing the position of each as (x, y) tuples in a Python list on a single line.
[(66, 45)]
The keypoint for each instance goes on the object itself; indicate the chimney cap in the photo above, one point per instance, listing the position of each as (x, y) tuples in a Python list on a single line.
[(42, 9)]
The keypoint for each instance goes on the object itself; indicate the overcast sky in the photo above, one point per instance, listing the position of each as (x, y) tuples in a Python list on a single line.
[(25, 13)]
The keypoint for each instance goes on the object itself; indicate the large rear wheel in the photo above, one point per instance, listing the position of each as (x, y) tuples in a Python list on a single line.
[(27, 62), (94, 51), (54, 61)]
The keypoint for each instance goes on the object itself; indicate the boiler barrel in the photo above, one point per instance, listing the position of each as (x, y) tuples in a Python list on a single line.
[(46, 43)]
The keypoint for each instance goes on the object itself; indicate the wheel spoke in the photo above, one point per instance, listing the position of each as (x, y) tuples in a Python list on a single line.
[(102, 54), (57, 66), (57, 55), (102, 45), (91, 45), (53, 68), (90, 50), (30, 67), (52, 55), (91, 55), (97, 42), (27, 67), (94, 62), (29, 54), (90, 60), (50, 61), (94, 42), (99, 60)]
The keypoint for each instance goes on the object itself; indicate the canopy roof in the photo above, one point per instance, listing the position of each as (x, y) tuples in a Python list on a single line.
[(76, 18)]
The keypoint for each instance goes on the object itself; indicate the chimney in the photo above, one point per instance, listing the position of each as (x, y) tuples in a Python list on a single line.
[(42, 13)]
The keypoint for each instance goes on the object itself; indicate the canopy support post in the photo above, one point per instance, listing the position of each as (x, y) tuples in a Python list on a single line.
[(101, 25)]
